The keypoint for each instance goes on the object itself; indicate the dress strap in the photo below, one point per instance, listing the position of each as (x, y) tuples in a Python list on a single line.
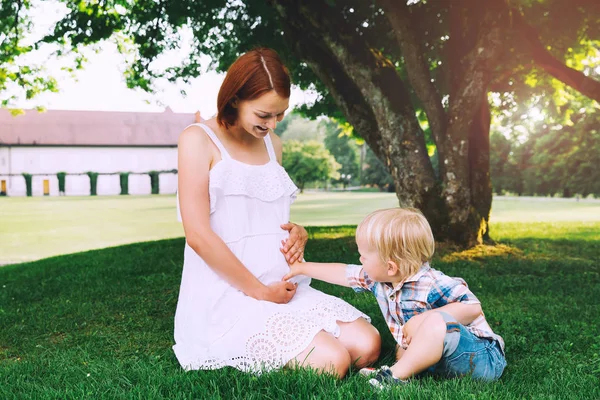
[(270, 148), (211, 134)]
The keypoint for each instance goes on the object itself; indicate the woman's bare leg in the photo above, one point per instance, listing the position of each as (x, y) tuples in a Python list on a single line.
[(362, 341), (326, 354)]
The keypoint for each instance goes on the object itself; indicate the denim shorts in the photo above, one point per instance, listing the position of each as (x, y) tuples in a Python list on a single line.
[(466, 354)]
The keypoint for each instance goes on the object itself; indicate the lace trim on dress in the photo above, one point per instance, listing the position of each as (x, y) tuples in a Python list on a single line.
[(285, 336), (266, 182)]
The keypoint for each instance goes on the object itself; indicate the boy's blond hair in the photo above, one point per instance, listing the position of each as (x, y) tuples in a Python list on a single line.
[(401, 235)]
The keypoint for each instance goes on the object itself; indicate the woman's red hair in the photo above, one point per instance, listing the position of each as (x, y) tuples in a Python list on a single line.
[(249, 77)]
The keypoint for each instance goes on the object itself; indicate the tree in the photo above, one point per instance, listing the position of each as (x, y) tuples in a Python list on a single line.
[(308, 162), (344, 149), (547, 145), (30, 79), (375, 65)]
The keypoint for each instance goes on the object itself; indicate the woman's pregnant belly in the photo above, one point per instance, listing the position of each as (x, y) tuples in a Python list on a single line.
[(262, 256)]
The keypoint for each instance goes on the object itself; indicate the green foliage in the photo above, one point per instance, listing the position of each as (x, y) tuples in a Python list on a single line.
[(308, 162), (285, 122), (154, 181), (124, 182), (61, 181), (28, 189), (93, 182), (376, 173), (17, 80), (345, 151), (107, 329), (301, 129), (546, 154)]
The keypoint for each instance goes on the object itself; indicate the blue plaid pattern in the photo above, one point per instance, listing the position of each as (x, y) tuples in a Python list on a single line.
[(426, 290)]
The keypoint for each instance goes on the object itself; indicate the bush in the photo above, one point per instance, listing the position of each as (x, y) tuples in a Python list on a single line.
[(28, 184), (61, 182), (93, 182), (124, 181), (154, 181)]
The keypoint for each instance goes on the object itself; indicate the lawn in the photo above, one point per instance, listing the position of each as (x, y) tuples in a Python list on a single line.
[(99, 324), (39, 227)]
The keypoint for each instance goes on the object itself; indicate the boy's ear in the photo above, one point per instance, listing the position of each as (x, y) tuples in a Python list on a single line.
[(392, 268)]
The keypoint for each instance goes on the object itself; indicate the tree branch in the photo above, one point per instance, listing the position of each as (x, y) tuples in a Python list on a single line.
[(366, 86), (542, 57), (397, 13), (16, 23)]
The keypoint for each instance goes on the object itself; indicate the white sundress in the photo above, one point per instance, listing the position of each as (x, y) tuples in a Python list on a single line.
[(217, 325)]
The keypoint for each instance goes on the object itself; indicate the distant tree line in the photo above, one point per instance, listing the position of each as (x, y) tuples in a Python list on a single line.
[(555, 154), (325, 153)]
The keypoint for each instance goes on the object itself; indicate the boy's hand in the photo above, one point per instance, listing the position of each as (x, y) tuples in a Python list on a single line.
[(295, 269)]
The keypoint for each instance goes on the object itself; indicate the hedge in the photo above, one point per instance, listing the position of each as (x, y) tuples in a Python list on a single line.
[(61, 181), (28, 183), (93, 182), (124, 182), (154, 181)]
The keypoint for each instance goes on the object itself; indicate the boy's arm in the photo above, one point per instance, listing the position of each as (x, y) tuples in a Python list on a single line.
[(464, 313), (329, 272)]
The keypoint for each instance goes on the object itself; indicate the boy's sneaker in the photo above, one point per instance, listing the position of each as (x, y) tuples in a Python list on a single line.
[(384, 379), (367, 371)]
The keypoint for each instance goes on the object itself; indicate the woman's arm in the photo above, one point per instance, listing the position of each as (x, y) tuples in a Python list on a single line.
[(329, 272), (195, 155)]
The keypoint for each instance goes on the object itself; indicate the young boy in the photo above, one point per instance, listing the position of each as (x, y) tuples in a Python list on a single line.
[(436, 320)]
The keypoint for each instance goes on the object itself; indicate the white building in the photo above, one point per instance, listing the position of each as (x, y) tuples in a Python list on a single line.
[(75, 142)]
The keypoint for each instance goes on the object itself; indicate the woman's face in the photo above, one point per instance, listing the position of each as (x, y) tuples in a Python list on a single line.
[(261, 114)]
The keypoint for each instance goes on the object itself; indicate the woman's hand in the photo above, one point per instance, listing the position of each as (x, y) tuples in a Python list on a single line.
[(293, 247), (279, 292)]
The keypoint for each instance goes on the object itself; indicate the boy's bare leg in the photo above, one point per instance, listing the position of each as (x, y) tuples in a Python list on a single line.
[(425, 347)]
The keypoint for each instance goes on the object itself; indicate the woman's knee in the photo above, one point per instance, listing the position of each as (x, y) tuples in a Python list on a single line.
[(369, 347), (340, 360), (362, 341), (326, 354)]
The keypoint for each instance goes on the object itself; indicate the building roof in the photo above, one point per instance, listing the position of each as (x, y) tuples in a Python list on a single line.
[(93, 128)]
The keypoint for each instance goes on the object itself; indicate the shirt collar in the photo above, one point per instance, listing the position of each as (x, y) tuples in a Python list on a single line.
[(423, 270), (414, 278)]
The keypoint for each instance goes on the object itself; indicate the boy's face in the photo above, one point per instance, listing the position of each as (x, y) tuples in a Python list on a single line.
[(371, 262)]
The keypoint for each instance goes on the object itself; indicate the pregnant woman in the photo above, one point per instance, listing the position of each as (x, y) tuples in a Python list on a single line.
[(234, 196)]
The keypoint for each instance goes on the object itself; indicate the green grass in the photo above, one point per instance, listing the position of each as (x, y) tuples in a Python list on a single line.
[(39, 227), (99, 324)]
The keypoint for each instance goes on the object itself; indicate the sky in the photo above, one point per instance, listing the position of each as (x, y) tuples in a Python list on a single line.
[(101, 85)]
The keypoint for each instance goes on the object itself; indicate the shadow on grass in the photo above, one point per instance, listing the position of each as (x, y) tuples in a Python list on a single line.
[(100, 324)]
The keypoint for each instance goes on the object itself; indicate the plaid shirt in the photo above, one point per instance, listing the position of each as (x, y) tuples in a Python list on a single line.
[(426, 290)]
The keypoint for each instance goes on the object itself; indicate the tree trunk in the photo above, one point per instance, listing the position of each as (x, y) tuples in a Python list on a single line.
[(479, 166), (375, 100), (474, 52)]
